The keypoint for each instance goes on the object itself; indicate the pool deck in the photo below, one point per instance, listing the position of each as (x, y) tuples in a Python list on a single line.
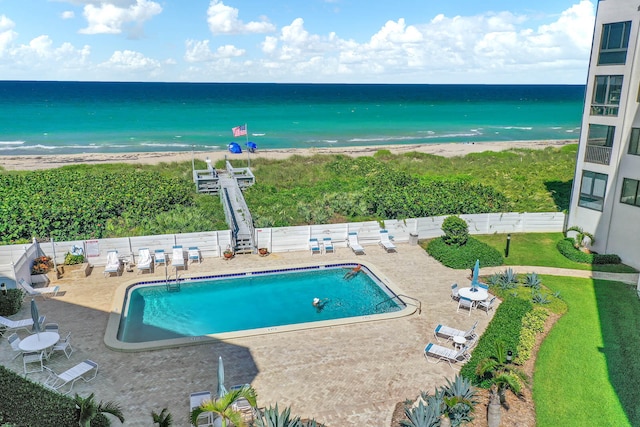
[(346, 375)]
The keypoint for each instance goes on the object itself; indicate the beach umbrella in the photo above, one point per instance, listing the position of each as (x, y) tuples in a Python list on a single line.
[(476, 272), (235, 148), (35, 316), (221, 389), (252, 146)]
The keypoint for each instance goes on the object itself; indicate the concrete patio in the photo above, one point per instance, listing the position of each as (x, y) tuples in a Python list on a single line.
[(349, 375)]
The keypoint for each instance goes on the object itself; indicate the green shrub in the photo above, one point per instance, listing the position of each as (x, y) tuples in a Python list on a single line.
[(11, 303), (506, 326), (566, 247), (456, 231), (71, 259), (532, 325), (464, 257), (25, 403)]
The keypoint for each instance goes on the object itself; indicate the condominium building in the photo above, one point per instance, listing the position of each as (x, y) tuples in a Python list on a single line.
[(606, 188)]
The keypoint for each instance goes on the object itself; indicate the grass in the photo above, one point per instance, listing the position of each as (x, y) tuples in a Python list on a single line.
[(545, 252), (585, 372)]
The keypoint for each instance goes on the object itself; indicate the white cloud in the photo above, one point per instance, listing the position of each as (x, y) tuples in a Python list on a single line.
[(199, 51), (223, 19), (129, 60), (67, 14), (110, 18), (7, 35)]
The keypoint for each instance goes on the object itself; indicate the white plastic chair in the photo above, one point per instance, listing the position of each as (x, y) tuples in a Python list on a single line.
[(353, 243), (465, 303), (58, 381), (194, 254), (314, 246), (14, 340), (328, 245), (64, 345), (454, 292), (385, 242), (32, 358), (486, 305), (436, 353)]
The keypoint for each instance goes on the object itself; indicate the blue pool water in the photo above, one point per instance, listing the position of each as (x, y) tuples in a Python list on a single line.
[(246, 301)]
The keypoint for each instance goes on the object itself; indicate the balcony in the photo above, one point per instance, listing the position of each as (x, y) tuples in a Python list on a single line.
[(604, 110), (598, 154)]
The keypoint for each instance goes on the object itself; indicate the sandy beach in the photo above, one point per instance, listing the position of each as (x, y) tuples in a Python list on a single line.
[(35, 162)]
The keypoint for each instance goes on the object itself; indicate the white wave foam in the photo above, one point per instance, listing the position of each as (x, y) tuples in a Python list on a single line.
[(11, 142), (158, 144), (258, 134), (516, 127)]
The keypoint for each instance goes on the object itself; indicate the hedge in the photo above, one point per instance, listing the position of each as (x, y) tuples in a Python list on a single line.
[(465, 256), (11, 303), (506, 326), (567, 248), (26, 403)]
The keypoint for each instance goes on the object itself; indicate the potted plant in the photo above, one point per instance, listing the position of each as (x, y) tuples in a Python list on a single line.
[(228, 253), (263, 251)]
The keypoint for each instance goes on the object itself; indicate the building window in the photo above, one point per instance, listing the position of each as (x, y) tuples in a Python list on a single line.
[(606, 96), (592, 190), (599, 144), (614, 43), (634, 142), (630, 194)]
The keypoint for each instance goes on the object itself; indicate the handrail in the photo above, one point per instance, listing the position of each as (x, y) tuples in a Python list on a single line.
[(418, 305)]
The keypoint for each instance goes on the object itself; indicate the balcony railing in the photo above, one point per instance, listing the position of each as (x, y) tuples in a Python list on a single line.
[(598, 154), (604, 110)]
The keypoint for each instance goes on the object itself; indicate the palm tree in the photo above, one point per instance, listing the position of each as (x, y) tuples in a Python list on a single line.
[(581, 236), (88, 410), (503, 376), (222, 407), (163, 419)]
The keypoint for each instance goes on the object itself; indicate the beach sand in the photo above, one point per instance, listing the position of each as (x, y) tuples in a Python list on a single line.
[(35, 162)]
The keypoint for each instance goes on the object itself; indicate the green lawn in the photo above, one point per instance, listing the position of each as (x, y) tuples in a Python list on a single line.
[(585, 371), (540, 249)]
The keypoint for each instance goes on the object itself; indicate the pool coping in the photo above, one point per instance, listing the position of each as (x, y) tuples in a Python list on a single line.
[(113, 323)]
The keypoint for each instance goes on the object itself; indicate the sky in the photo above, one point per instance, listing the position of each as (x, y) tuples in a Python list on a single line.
[(297, 41)]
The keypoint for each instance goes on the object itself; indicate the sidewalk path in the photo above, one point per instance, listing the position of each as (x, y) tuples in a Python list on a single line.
[(629, 278)]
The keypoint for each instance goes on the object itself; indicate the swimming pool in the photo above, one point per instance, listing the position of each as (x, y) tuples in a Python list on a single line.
[(248, 303)]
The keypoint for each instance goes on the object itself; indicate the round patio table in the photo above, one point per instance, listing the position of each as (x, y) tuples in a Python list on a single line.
[(478, 295), (38, 342)]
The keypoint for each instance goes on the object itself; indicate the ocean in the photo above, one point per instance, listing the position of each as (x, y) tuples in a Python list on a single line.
[(101, 117)]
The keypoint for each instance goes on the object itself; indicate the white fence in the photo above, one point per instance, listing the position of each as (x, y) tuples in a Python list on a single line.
[(16, 260)]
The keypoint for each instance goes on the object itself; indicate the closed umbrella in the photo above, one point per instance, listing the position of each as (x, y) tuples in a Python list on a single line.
[(221, 389), (476, 273), (35, 316)]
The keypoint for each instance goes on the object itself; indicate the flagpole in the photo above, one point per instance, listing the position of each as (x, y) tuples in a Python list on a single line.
[(247, 145)]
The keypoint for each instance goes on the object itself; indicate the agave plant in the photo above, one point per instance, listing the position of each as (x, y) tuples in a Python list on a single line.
[(538, 298), (495, 279), (459, 398), (509, 276), (272, 417), (422, 416), (532, 280)]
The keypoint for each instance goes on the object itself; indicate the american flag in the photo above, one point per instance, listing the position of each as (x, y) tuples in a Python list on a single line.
[(239, 130)]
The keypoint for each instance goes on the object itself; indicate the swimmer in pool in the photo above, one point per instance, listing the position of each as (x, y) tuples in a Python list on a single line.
[(352, 273), (319, 304)]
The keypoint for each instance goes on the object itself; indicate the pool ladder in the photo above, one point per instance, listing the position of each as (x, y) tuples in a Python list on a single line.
[(416, 302), (173, 286)]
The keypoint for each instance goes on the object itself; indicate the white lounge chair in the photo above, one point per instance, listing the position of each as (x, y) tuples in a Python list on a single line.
[(353, 243), (436, 353), (160, 257), (314, 246), (328, 245), (178, 257), (113, 264), (58, 381), (194, 254), (14, 325), (465, 303), (385, 242), (144, 260), (50, 291), (486, 305), (442, 331)]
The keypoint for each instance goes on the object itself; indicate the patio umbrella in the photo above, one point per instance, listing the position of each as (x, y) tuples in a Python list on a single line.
[(221, 389), (476, 272), (35, 316), (251, 146), (235, 148)]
